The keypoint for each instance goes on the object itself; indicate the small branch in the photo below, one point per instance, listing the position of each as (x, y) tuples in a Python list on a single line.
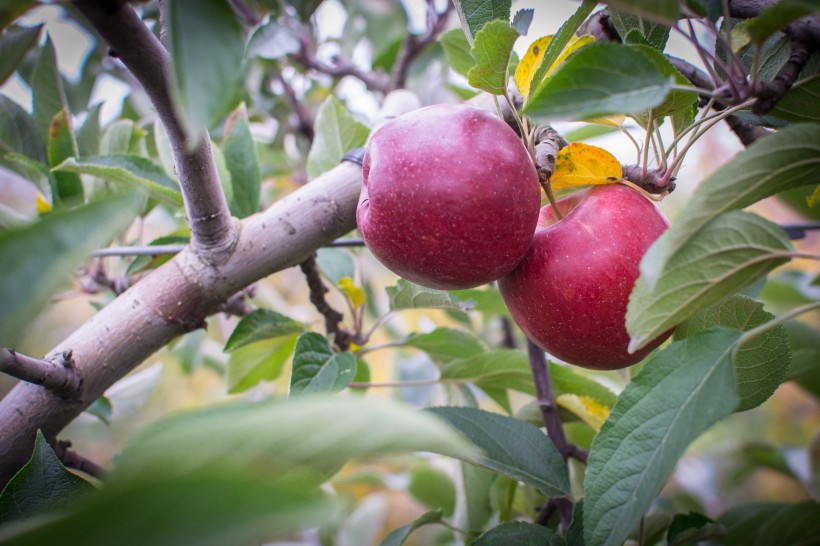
[(58, 375), (560, 504), (508, 341), (341, 67), (413, 44), (304, 124), (653, 181), (333, 318), (548, 142), (72, 459), (244, 11), (237, 305), (158, 250), (213, 231), (546, 402)]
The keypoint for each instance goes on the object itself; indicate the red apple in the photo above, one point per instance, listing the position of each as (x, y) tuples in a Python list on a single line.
[(570, 292), (450, 197)]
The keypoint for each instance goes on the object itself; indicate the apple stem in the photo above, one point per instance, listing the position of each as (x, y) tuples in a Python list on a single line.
[(546, 402), (553, 202)]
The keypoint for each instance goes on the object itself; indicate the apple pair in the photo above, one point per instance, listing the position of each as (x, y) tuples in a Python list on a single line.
[(450, 199)]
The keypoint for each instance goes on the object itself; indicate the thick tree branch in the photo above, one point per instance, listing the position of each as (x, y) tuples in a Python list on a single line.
[(770, 93), (548, 142), (213, 231), (59, 374), (179, 295)]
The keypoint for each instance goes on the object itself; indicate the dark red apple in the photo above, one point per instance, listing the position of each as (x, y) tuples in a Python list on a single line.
[(450, 197), (570, 292)]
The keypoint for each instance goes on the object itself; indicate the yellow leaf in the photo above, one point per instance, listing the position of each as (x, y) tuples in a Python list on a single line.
[(531, 62), (353, 292), (613, 121), (580, 164), (814, 198), (588, 409), (42, 203)]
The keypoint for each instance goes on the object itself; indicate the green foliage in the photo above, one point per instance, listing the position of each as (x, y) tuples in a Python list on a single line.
[(406, 295), (400, 535), (727, 254), (474, 14), (511, 447), (444, 345), (682, 391), (259, 361), (336, 133), (777, 16), (261, 324), (242, 162), (457, 49), (625, 23), (664, 11), (491, 52), (41, 487), (760, 363), (36, 259), (520, 533), (18, 133), (758, 524), (15, 43), (206, 44), (129, 171), (47, 89), (68, 187), (598, 80), (318, 368)]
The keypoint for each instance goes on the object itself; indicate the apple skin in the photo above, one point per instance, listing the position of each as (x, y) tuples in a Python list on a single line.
[(450, 197), (570, 292)]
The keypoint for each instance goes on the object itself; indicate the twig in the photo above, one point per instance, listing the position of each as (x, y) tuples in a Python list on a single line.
[(237, 305), (546, 403), (652, 181), (341, 67), (72, 459), (560, 504), (414, 44), (213, 231), (304, 122), (58, 375), (508, 341), (333, 318)]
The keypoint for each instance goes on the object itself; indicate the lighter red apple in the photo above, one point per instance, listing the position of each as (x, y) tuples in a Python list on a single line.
[(450, 197)]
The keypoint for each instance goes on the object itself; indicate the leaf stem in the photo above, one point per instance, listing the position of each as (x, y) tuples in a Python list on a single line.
[(766, 326)]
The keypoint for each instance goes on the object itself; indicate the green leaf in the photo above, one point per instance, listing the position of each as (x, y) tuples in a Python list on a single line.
[(487, 299), (475, 13), (491, 51), (662, 11), (15, 42), (406, 295), (63, 147), (444, 345), (256, 362), (691, 528), (336, 133), (519, 533), (681, 105), (88, 135), (122, 137), (34, 171), (522, 20), (130, 171), (278, 437), (47, 89), (242, 162), (682, 391), (805, 344), (37, 259), (511, 447), (102, 409), (317, 368), (777, 16), (560, 41), (764, 523), (335, 263), (206, 44), (653, 33), (18, 132), (211, 508), (800, 102), (510, 369), (145, 262), (261, 324), (762, 362), (433, 488), (42, 486), (10, 10), (598, 80), (457, 50), (787, 159), (400, 535), (732, 251)]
